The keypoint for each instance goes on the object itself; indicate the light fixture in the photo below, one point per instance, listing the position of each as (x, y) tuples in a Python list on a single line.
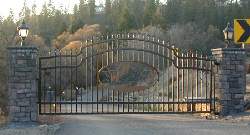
[(23, 31), (228, 34)]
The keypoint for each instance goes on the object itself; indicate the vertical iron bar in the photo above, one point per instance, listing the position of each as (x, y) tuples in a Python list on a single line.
[(143, 46), (206, 72), (112, 47), (158, 65), (107, 38), (168, 85), (133, 107), (133, 46), (192, 77), (197, 74), (71, 79), (113, 100), (78, 87), (177, 78), (102, 98), (101, 82), (117, 47), (76, 73), (153, 66), (55, 81), (201, 80), (122, 46), (213, 82), (148, 49), (148, 90), (211, 85), (39, 87), (123, 96), (66, 91), (118, 101), (117, 60), (128, 101), (137, 100), (182, 79), (44, 91), (163, 77), (91, 76), (86, 77), (211, 88), (50, 87), (143, 59), (123, 101), (60, 79), (188, 79), (96, 85), (173, 79)]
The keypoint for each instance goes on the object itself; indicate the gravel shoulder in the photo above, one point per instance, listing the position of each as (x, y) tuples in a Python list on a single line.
[(29, 129)]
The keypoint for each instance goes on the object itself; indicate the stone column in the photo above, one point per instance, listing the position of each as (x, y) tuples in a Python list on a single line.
[(230, 79), (22, 84)]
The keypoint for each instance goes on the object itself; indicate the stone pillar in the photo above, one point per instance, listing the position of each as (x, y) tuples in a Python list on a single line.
[(230, 79), (22, 84)]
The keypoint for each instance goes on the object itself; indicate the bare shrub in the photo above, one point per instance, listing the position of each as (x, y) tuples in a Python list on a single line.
[(81, 34)]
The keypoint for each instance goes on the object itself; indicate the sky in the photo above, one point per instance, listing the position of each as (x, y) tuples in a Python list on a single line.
[(16, 5)]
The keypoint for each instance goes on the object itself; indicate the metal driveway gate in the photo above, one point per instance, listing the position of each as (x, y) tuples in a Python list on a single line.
[(125, 73)]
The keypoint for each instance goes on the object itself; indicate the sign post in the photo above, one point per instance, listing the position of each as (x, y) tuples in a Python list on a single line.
[(242, 31)]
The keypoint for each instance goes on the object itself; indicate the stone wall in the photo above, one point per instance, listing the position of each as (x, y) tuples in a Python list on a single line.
[(230, 79), (22, 84)]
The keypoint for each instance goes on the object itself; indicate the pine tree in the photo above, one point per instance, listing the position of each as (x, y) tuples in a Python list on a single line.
[(91, 4), (150, 9)]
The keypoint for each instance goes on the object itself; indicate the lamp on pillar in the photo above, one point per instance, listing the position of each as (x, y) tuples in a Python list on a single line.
[(228, 35), (23, 31)]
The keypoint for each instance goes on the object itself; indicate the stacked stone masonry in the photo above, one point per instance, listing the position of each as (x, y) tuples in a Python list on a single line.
[(22, 84), (230, 79)]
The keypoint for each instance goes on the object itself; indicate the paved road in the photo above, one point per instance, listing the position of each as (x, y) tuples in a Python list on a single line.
[(149, 125)]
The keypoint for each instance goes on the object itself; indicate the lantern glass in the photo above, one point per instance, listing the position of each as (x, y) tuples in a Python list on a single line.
[(230, 35), (226, 35), (23, 30), (23, 33)]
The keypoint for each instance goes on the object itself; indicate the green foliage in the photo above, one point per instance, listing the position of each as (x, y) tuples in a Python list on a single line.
[(150, 9), (91, 5), (126, 21)]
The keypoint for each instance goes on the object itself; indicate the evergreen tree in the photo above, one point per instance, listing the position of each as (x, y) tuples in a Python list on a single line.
[(25, 12), (76, 20), (91, 5), (83, 11), (150, 9), (108, 16)]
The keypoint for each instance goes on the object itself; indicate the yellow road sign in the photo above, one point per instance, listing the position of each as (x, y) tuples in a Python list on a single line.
[(242, 31)]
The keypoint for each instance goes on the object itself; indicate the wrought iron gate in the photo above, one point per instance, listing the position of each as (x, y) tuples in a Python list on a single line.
[(125, 73)]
